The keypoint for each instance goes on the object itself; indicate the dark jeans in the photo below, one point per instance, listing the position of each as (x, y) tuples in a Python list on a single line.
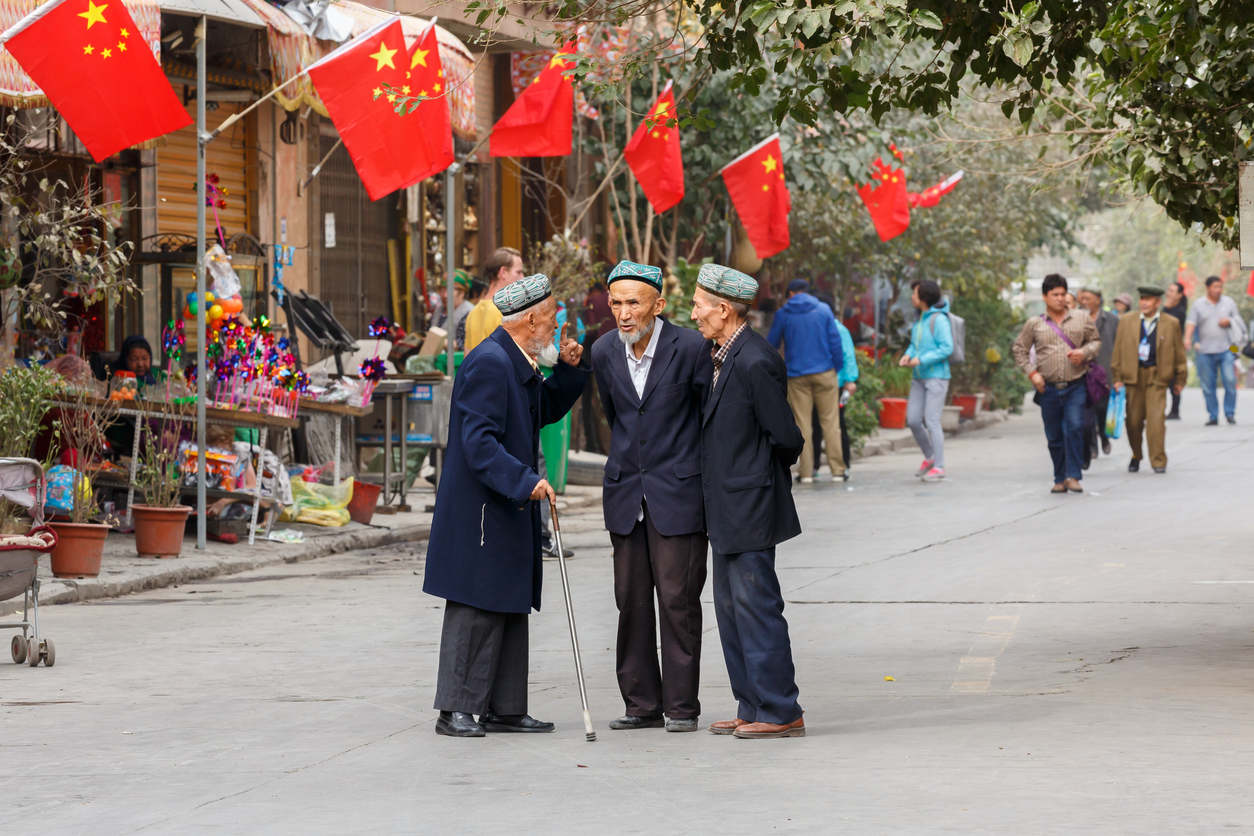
[(750, 611), (818, 439), (1062, 411)]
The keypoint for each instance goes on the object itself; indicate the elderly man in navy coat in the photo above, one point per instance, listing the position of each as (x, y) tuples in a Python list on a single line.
[(653, 378), (749, 441), (484, 553)]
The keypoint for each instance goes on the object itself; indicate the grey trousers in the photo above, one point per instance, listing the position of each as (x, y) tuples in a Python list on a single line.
[(923, 417), (483, 661)]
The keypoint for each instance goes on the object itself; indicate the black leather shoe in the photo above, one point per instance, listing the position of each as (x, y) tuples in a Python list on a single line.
[(631, 722), (458, 724), (1213, 422), (1172, 416), (1232, 419), (1134, 465), (681, 725), (513, 723), (1106, 445)]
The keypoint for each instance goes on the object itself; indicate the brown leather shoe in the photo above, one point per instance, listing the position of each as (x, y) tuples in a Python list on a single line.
[(1061, 487), (727, 726), (1074, 485), (797, 728)]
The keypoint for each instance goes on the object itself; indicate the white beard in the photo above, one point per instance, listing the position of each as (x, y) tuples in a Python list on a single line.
[(638, 334), (548, 354)]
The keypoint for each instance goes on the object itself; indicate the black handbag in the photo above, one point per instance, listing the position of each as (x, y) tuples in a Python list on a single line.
[(1248, 351)]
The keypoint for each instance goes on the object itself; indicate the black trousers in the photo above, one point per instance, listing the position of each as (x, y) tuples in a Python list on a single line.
[(646, 562), (483, 661), (818, 439)]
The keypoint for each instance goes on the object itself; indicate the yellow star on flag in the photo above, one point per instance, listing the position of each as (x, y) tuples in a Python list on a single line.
[(121, 46), (106, 53), (383, 56), (377, 93), (87, 49), (391, 97), (555, 61), (765, 187), (656, 134), (405, 89), (94, 14), (436, 87), (422, 93), (439, 73), (420, 58), (770, 162), (125, 34)]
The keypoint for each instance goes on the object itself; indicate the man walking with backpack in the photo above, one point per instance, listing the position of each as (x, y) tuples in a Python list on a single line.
[(1066, 341), (932, 344)]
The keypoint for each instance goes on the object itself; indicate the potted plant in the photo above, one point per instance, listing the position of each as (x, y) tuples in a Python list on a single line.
[(80, 542), (25, 397), (161, 520)]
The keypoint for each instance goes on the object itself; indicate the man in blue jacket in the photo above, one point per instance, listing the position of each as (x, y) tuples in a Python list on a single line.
[(484, 552), (812, 351), (653, 377)]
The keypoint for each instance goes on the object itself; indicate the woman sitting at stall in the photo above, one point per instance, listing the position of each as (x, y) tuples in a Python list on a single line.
[(136, 358)]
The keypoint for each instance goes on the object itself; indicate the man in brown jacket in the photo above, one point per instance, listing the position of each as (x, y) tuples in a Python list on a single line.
[(1149, 357)]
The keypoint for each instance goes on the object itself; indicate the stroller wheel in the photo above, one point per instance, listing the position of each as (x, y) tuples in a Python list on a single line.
[(35, 654), (18, 648), (50, 653)]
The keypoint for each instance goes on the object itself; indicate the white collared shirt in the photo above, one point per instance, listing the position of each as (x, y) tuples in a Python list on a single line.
[(530, 359), (639, 369)]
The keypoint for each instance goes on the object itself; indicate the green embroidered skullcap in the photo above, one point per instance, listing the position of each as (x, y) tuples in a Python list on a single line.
[(640, 272), (727, 283), (463, 279), (522, 294)]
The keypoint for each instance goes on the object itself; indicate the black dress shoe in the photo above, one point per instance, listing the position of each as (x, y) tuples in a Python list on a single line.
[(1106, 445), (1213, 422), (458, 724), (1232, 419), (1172, 416), (632, 722), (513, 723), (1134, 465)]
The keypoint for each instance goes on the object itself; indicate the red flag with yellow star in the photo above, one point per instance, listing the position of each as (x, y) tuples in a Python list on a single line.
[(539, 122), (886, 199), (92, 64), (654, 156), (389, 150), (755, 181), (426, 78)]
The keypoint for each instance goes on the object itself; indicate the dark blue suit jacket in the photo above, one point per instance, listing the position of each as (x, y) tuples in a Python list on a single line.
[(485, 535), (655, 452), (749, 441)]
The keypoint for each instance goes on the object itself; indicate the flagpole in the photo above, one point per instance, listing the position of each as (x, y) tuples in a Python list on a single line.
[(318, 168), (235, 117), (202, 139)]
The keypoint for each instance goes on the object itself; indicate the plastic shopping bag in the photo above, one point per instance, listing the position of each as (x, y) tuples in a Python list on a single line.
[(1116, 412), (319, 504)]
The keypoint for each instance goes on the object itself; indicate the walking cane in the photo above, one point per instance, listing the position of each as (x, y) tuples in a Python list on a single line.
[(570, 617)]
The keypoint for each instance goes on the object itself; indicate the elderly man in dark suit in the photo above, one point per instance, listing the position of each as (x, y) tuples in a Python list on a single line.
[(484, 553), (653, 378), (749, 440)]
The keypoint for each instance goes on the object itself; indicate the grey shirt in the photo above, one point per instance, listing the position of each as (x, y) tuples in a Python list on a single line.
[(1208, 337)]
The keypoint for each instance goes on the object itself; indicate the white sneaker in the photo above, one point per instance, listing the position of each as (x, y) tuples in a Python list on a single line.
[(806, 480)]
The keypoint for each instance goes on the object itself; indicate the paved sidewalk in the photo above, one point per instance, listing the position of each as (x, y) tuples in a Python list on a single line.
[(124, 572), (890, 441)]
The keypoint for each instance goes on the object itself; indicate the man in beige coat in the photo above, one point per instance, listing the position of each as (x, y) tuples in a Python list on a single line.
[(1149, 357)]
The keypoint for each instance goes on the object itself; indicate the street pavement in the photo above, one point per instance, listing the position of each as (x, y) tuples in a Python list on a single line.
[(1059, 664)]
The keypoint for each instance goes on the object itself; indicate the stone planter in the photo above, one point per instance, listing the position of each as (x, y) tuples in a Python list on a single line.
[(159, 531), (950, 418), (79, 549)]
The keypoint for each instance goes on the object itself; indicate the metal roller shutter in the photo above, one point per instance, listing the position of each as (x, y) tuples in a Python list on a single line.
[(176, 177)]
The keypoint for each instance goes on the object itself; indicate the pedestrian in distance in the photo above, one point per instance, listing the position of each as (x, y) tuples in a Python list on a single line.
[(749, 440), (484, 554), (1065, 342), (931, 344), (503, 267), (806, 328), (654, 377), (1095, 416), (1176, 303), (1149, 357), (1123, 303), (1217, 326)]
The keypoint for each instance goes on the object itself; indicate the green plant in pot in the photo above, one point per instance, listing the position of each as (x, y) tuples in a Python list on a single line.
[(25, 398), (160, 520), (80, 542)]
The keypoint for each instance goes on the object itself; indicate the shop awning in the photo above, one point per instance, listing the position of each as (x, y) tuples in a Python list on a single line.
[(228, 11)]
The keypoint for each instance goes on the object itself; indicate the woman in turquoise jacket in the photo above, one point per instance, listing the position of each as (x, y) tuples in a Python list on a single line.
[(931, 343)]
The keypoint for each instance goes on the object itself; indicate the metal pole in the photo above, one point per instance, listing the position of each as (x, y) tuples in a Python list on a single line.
[(202, 138), (589, 734), (450, 208)]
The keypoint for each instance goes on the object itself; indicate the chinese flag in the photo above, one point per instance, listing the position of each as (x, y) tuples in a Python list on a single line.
[(96, 70), (390, 150), (653, 154), (755, 181), (930, 197), (426, 78), (539, 122), (886, 200)]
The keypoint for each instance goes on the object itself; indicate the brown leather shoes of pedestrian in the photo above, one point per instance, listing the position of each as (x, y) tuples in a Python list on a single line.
[(1073, 485), (727, 726), (797, 728), (1061, 487)]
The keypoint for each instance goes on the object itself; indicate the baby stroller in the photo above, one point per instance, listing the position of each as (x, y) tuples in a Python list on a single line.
[(22, 483)]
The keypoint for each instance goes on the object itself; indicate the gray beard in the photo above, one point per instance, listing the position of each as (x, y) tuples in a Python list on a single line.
[(547, 355), (637, 335)]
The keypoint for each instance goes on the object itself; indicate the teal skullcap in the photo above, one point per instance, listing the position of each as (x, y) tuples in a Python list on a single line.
[(522, 294), (727, 283), (640, 272)]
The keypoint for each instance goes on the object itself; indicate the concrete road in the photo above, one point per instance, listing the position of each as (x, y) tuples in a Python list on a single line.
[(1059, 664)]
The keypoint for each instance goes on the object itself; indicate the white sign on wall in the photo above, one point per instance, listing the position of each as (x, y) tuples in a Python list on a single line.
[(330, 231)]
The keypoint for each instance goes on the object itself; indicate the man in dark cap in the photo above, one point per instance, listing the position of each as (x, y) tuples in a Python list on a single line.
[(484, 555), (1149, 356), (653, 378)]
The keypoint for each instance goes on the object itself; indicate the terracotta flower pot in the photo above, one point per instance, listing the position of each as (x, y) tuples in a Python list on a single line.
[(893, 413), (159, 531), (80, 547)]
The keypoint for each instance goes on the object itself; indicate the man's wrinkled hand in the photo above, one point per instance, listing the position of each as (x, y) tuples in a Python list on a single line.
[(542, 490), (1076, 356), (571, 350), (1118, 386)]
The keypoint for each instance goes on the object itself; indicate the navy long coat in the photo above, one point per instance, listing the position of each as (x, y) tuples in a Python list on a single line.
[(484, 549), (749, 441), (655, 451)]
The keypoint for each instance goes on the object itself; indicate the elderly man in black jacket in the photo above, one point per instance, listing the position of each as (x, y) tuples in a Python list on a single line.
[(749, 441), (653, 378)]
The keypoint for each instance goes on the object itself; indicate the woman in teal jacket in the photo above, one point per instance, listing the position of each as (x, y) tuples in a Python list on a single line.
[(931, 343)]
